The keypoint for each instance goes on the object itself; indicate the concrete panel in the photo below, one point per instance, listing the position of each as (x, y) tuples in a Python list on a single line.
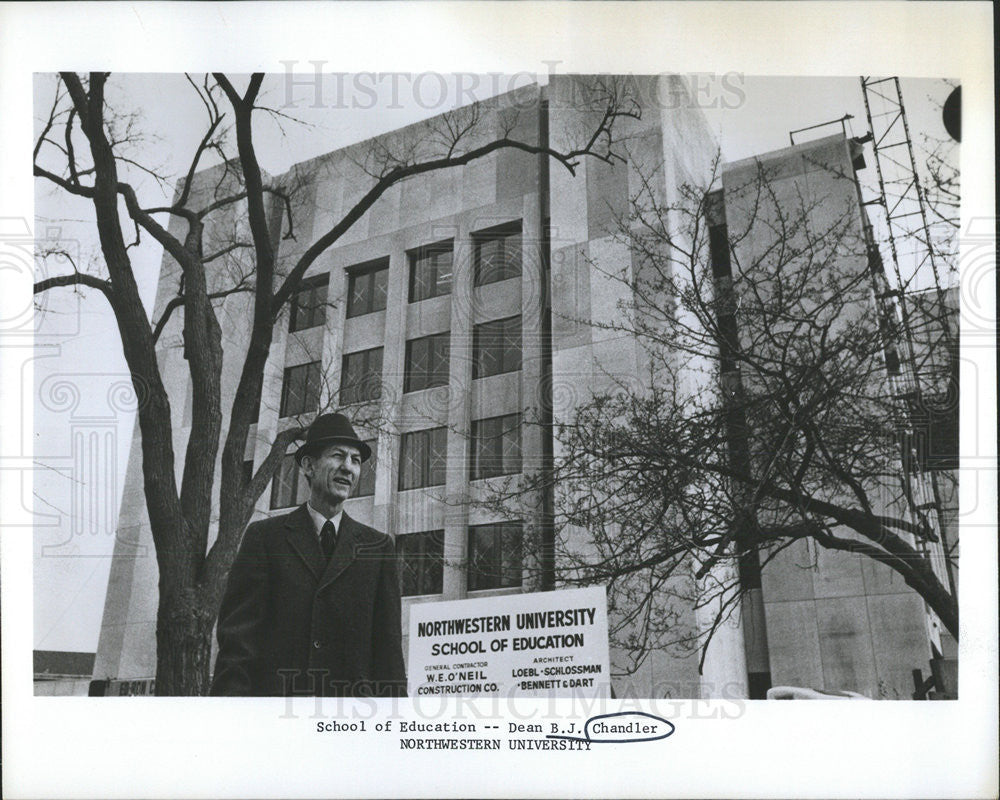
[(481, 492), (570, 301), (572, 374), (364, 332), (687, 137), (444, 193), (675, 676), (428, 316), (362, 509), (846, 645), (645, 170), (568, 206), (637, 684), (793, 644), (138, 658), (517, 174), (301, 347), (880, 579), (383, 217), (479, 183), (325, 198), (420, 510), (496, 300), (354, 186), (607, 197), (427, 408), (608, 284), (837, 574), (789, 576), (415, 195), (496, 395), (899, 626), (616, 360), (725, 669)]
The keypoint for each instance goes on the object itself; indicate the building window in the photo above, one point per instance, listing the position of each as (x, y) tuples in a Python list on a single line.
[(421, 562), (367, 287), (361, 376), (496, 347), (430, 271), (300, 390), (289, 486), (496, 254), (496, 446), (309, 303), (426, 362), (494, 556), (423, 457), (366, 482)]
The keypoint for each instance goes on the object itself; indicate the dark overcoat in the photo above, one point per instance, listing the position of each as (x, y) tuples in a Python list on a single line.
[(292, 624)]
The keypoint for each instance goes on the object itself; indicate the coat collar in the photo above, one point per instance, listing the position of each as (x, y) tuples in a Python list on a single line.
[(343, 554), (301, 535)]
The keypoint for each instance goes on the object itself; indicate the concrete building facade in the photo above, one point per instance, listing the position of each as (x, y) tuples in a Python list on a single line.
[(451, 322), (833, 620)]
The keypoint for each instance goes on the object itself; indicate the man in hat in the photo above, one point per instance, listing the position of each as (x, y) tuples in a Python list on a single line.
[(312, 603)]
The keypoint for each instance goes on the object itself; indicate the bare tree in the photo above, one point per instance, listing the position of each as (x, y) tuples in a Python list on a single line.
[(764, 415), (87, 147)]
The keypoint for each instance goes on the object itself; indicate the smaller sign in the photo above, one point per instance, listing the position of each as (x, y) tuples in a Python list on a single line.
[(543, 644)]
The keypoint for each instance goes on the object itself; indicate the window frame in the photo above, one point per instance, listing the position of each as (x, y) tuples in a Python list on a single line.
[(286, 388), (422, 254), (428, 468), (500, 461), (479, 348), (430, 561), (288, 466), (374, 392), (310, 285), (436, 374), (368, 467), (476, 578), (367, 271), (498, 233)]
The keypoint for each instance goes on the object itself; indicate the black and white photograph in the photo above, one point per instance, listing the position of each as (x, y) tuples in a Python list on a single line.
[(560, 404)]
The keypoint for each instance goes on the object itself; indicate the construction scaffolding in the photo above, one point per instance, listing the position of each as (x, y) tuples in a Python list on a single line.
[(917, 304)]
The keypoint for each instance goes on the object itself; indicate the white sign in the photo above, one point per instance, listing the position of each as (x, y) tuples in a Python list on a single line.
[(544, 644)]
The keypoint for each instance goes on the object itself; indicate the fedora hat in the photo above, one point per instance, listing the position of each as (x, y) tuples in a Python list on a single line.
[(327, 429)]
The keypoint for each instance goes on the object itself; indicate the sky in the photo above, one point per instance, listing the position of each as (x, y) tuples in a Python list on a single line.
[(79, 351)]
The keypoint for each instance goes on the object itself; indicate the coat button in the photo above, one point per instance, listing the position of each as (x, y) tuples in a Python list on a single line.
[(317, 644)]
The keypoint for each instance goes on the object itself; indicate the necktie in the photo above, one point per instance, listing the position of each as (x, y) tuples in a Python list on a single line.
[(328, 538)]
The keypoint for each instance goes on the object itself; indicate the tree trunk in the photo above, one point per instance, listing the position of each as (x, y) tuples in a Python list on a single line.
[(183, 645)]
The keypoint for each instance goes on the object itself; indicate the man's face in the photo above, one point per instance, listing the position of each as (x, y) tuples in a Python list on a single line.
[(333, 473)]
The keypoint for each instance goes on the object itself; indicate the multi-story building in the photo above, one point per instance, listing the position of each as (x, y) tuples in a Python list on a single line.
[(451, 322), (828, 618)]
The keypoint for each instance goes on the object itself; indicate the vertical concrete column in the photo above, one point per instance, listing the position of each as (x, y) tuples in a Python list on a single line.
[(269, 416), (394, 345), (456, 512), (331, 351), (132, 594), (535, 386), (724, 673)]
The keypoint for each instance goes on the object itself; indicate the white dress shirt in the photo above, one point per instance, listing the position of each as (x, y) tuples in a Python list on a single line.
[(319, 520)]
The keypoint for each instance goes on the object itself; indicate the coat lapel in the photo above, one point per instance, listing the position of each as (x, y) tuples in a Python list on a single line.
[(302, 538), (343, 554)]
